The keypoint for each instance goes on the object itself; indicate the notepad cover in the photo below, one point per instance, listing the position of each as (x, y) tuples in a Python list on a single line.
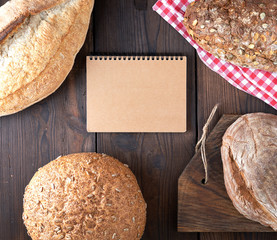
[(136, 94)]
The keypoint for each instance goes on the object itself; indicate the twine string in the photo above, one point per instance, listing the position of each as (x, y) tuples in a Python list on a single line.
[(202, 142)]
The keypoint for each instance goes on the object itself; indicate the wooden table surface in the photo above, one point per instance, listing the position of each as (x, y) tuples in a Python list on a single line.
[(57, 125)]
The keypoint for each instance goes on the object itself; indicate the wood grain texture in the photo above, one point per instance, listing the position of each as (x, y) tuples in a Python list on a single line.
[(238, 236), (207, 207), (156, 159), (141, 4)]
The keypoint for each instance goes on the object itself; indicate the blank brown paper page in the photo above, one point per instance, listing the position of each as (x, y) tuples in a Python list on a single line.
[(136, 95)]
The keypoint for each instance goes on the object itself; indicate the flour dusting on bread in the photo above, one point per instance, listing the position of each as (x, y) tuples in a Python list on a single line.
[(38, 55)]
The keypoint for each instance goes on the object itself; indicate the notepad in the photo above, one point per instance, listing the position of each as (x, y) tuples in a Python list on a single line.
[(136, 94)]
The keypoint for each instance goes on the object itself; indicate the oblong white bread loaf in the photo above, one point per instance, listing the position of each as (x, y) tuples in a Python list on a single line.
[(38, 44)]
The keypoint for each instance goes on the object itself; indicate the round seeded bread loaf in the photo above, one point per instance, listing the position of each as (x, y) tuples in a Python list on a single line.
[(84, 196), (249, 155), (242, 32)]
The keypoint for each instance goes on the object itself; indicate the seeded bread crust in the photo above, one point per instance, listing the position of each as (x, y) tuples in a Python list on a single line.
[(84, 196), (38, 44), (243, 32), (249, 156)]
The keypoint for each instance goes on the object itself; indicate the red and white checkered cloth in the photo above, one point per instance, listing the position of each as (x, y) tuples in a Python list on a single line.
[(256, 82)]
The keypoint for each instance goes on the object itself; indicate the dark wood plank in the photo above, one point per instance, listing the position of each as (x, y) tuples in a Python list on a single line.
[(141, 4), (213, 89), (156, 159), (30, 139), (238, 236), (207, 207)]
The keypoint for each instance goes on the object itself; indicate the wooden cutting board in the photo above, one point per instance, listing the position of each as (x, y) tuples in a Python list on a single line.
[(207, 207)]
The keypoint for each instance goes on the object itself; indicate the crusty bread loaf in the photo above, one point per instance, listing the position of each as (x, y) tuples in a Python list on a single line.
[(243, 32), (38, 44), (249, 155), (84, 196)]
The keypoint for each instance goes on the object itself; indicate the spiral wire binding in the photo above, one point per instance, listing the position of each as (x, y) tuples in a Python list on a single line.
[(139, 58)]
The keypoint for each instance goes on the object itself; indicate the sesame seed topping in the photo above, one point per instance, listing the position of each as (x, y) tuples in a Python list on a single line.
[(194, 23), (114, 218), (264, 25), (58, 221), (53, 185), (59, 231), (261, 5), (251, 46), (104, 155), (90, 216), (41, 189), (61, 237), (90, 196), (89, 232), (126, 165), (128, 176), (113, 235), (117, 190), (133, 219), (126, 229), (114, 175), (95, 158), (89, 161), (262, 16), (68, 237), (93, 188), (108, 204), (69, 227)]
